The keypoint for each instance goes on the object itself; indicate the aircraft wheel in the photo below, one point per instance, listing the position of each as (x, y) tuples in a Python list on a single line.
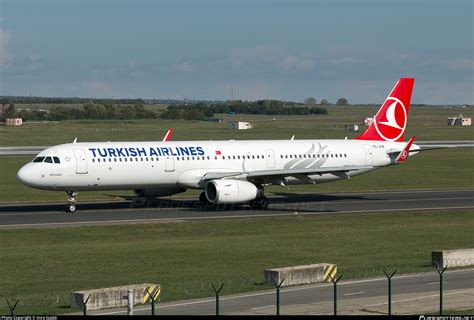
[(70, 208), (259, 204)]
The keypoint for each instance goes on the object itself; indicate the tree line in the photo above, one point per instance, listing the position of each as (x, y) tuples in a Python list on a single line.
[(87, 111), (196, 111), (201, 111)]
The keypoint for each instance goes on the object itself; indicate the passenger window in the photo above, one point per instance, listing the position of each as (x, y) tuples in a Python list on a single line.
[(48, 160), (56, 160), (38, 159), (93, 160)]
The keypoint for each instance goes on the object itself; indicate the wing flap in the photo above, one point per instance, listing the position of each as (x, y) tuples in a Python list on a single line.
[(301, 174)]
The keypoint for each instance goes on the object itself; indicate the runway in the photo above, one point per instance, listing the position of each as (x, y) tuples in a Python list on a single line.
[(284, 204)]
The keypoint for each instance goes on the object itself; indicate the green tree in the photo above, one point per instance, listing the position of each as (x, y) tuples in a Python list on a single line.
[(324, 102), (342, 102), (10, 112), (172, 114), (311, 101)]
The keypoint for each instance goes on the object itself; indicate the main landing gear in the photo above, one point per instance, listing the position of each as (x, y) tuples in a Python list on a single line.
[(71, 201), (260, 203)]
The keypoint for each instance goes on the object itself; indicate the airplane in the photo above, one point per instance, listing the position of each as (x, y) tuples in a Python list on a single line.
[(228, 172)]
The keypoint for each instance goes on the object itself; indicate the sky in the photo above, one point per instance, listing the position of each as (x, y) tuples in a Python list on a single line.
[(287, 50)]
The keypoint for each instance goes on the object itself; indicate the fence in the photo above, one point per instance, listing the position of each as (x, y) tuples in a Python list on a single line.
[(218, 288)]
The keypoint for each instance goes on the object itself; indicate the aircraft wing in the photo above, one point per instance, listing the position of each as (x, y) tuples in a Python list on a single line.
[(279, 175)]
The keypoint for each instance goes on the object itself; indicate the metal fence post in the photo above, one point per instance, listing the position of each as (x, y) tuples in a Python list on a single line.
[(84, 305), (389, 277), (153, 299), (130, 303), (335, 281), (12, 309), (277, 287), (217, 291), (440, 287)]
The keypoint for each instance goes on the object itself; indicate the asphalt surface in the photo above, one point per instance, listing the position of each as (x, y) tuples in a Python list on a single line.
[(418, 285), (34, 150), (141, 211)]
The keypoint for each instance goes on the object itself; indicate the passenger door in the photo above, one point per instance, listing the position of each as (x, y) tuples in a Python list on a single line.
[(270, 158), (81, 161), (368, 154), (169, 164)]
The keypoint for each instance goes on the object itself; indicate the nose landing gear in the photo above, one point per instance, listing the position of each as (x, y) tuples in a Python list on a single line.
[(70, 206)]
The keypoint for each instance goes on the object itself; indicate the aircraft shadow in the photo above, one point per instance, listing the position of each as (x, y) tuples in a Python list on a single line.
[(304, 202)]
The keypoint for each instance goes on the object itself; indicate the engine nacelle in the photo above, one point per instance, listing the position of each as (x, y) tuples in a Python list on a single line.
[(159, 192), (231, 191)]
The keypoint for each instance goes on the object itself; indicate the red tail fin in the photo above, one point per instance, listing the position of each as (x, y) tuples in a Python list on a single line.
[(391, 120)]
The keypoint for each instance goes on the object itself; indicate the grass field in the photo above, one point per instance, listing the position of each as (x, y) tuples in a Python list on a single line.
[(424, 123), (40, 267)]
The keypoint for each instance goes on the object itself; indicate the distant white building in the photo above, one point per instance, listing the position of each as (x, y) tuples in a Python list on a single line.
[(368, 120), (13, 121), (240, 125), (351, 127)]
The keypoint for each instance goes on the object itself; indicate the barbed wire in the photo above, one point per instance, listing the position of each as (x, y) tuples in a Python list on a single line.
[(456, 262)]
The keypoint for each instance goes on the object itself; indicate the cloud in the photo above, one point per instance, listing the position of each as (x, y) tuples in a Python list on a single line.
[(297, 63), (5, 56), (255, 90), (262, 55), (345, 60), (461, 64), (184, 66), (97, 88), (35, 57), (249, 56)]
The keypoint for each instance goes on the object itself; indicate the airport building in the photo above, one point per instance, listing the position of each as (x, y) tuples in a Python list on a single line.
[(240, 125)]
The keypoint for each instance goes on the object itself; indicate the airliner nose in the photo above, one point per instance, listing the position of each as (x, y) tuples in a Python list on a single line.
[(25, 175)]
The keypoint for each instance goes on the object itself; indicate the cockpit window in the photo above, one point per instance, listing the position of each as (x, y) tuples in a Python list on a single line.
[(48, 160), (56, 160), (38, 159)]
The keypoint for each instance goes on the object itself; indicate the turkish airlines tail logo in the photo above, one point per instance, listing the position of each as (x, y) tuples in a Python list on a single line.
[(390, 121)]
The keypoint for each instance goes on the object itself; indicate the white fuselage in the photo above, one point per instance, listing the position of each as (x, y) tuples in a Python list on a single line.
[(181, 165)]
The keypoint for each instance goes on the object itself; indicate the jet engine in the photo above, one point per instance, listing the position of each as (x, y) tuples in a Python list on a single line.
[(231, 191), (159, 192)]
